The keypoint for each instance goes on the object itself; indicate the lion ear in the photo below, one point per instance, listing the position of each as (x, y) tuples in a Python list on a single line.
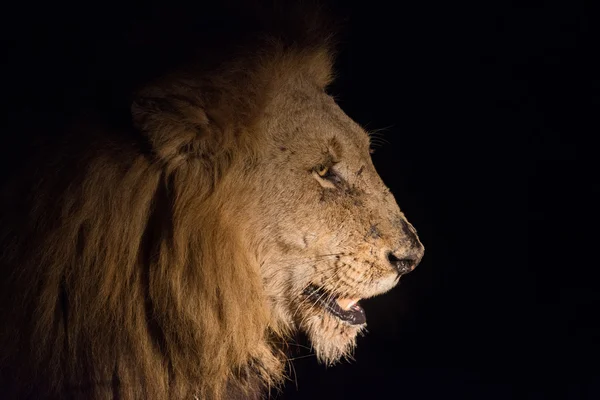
[(177, 126)]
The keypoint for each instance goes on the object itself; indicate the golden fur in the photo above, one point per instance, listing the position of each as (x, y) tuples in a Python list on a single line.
[(172, 262)]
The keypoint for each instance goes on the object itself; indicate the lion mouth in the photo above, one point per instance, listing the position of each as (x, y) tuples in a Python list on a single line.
[(346, 309)]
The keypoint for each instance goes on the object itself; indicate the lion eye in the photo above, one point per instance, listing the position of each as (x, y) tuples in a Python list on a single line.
[(327, 176), (323, 171)]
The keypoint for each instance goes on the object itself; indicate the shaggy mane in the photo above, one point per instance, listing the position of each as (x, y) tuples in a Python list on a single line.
[(110, 288)]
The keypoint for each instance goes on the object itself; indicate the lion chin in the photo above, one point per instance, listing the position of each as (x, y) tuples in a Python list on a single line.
[(332, 339)]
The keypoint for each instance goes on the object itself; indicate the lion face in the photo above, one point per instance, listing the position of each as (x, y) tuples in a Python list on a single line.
[(329, 232)]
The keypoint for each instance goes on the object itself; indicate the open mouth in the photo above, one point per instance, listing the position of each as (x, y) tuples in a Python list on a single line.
[(346, 309)]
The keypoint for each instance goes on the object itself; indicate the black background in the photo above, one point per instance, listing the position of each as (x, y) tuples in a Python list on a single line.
[(488, 110)]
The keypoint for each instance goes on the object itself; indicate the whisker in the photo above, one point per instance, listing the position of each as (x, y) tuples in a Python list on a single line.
[(304, 356), (307, 258)]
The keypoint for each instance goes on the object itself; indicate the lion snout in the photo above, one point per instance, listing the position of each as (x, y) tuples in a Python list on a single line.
[(408, 254)]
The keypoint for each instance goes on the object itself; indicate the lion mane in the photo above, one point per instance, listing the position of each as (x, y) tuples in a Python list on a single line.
[(109, 288)]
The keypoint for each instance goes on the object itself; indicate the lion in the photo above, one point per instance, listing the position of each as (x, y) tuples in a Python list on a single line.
[(175, 256)]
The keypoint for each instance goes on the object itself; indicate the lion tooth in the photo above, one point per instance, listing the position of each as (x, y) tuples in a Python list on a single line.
[(353, 302), (345, 304)]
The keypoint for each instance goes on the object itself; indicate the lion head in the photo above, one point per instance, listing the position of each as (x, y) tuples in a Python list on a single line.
[(173, 258), (334, 234)]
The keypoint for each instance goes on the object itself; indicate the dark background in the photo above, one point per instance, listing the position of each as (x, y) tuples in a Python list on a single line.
[(488, 109)]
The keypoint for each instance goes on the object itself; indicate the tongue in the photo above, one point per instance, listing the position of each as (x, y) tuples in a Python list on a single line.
[(346, 304)]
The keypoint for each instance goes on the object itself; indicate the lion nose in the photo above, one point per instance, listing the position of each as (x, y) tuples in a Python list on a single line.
[(406, 263)]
